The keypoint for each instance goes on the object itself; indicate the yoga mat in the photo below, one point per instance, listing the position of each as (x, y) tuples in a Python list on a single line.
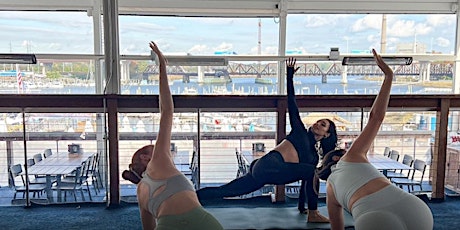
[(270, 218)]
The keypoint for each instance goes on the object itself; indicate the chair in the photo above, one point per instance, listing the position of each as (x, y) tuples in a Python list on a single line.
[(407, 160), (30, 162), (386, 152), (173, 148), (37, 179), (94, 173), (419, 170), (72, 185), (47, 153), (194, 169), (37, 157), (394, 155), (243, 164), (15, 171), (82, 175)]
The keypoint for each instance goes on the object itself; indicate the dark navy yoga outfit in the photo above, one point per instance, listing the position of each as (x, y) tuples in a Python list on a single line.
[(272, 169)]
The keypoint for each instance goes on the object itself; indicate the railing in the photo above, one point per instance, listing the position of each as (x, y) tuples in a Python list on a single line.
[(123, 145)]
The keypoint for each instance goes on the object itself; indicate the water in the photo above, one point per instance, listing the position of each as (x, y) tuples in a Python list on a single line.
[(304, 86), (310, 85)]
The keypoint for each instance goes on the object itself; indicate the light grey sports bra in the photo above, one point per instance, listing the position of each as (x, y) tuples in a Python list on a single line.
[(348, 177), (173, 185)]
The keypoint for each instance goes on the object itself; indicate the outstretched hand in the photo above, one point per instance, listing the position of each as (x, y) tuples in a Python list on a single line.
[(382, 65), (157, 51), (290, 62)]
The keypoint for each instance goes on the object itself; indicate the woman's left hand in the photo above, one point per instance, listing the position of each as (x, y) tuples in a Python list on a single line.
[(290, 62)]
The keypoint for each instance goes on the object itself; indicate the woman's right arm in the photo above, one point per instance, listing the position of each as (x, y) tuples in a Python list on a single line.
[(359, 148), (334, 209), (294, 116), (162, 153)]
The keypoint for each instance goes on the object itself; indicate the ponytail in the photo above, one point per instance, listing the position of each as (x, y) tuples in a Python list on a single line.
[(324, 171), (132, 174), (128, 175)]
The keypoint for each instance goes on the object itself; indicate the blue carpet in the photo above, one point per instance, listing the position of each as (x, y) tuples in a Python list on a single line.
[(269, 218), (242, 214)]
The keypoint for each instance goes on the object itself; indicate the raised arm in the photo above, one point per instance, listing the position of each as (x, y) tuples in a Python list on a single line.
[(294, 116), (358, 151), (162, 146)]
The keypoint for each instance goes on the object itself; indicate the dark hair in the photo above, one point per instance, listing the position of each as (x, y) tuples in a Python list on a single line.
[(128, 175), (324, 171), (330, 143)]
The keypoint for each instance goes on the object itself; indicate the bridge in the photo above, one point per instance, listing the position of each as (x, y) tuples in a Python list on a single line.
[(425, 70)]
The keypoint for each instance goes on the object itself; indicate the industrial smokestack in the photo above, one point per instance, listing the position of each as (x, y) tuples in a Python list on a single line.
[(383, 38)]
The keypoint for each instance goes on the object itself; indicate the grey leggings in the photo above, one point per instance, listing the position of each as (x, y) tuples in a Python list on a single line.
[(195, 219), (391, 208)]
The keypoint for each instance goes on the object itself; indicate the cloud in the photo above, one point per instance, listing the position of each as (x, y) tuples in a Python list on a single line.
[(442, 42), (131, 48), (372, 21), (408, 28), (373, 38), (199, 49), (144, 27), (318, 20), (215, 21), (224, 46), (267, 50), (270, 50), (441, 20)]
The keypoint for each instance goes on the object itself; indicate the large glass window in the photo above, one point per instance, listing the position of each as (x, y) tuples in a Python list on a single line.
[(46, 32), (43, 158), (202, 36), (356, 34)]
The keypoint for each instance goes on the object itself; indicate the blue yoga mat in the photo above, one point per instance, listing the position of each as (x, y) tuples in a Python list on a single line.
[(270, 218)]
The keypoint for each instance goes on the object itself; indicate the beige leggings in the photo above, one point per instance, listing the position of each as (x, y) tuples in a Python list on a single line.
[(392, 208)]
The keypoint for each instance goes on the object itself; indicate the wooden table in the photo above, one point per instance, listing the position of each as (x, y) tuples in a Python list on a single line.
[(57, 165), (384, 163)]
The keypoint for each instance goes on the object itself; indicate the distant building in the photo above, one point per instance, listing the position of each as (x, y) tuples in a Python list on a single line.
[(225, 53), (360, 51), (291, 52), (419, 48)]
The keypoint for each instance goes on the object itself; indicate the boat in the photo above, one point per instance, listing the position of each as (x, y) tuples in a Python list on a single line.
[(220, 76), (265, 81), (217, 80), (190, 91)]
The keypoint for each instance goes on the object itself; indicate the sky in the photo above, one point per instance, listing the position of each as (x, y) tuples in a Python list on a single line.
[(72, 32)]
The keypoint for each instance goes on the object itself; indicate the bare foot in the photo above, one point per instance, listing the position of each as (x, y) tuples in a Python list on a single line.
[(313, 216)]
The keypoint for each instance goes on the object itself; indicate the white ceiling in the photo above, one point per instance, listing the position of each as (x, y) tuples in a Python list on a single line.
[(243, 7)]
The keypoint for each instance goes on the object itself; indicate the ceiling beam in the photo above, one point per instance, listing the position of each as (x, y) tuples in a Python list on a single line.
[(253, 8)]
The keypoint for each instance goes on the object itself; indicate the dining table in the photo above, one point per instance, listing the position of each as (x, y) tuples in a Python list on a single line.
[(55, 167), (384, 163)]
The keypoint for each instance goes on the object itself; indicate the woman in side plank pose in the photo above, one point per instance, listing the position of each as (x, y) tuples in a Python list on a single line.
[(294, 159)]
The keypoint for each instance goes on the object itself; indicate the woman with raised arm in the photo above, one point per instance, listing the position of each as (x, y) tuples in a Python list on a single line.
[(294, 159), (167, 199), (354, 184)]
